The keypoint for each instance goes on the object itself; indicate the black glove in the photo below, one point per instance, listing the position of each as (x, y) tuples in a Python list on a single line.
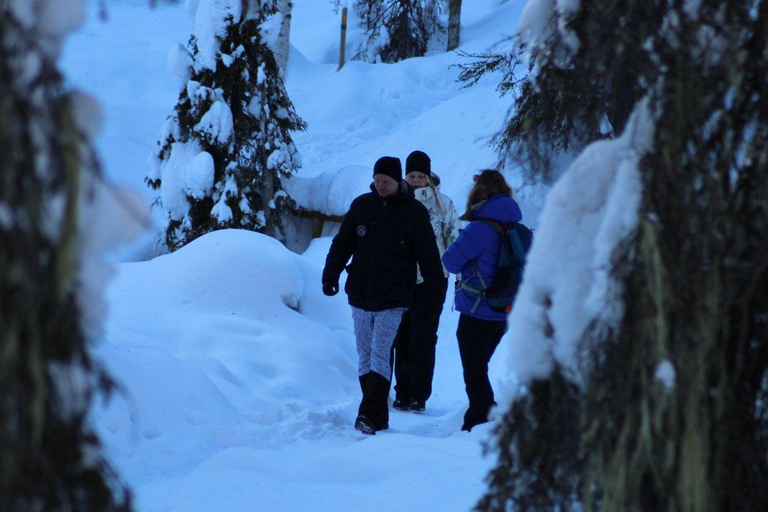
[(330, 288)]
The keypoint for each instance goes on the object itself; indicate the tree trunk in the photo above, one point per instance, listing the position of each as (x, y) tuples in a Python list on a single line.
[(267, 185), (283, 45), (454, 24)]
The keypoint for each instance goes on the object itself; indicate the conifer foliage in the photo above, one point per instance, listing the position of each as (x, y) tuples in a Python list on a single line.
[(223, 153), (617, 436), (50, 457), (396, 29), (577, 104)]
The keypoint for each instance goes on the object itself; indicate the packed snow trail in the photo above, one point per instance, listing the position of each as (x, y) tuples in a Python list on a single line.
[(237, 369)]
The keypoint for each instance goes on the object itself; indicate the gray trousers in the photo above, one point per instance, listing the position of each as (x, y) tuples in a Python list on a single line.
[(375, 332)]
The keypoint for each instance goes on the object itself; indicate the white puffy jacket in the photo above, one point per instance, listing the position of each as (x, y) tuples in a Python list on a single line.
[(442, 215)]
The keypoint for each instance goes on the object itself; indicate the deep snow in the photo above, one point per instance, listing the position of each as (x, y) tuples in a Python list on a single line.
[(239, 376)]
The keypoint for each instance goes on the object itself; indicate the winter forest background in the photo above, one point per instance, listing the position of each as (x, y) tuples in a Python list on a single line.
[(184, 358)]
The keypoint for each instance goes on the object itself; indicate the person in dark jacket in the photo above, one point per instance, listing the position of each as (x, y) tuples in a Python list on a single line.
[(387, 233), (476, 250)]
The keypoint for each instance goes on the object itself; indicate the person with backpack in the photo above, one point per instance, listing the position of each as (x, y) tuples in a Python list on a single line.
[(489, 245), (417, 337), (387, 233)]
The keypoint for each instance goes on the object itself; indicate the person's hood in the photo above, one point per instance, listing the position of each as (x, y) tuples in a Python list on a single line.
[(499, 207), (434, 181)]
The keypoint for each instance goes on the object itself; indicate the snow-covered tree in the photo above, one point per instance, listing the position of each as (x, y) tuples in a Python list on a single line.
[(554, 119), (396, 29), (654, 396), (50, 457), (223, 153)]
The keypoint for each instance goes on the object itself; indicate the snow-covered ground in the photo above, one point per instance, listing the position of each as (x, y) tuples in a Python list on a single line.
[(239, 376), (242, 388)]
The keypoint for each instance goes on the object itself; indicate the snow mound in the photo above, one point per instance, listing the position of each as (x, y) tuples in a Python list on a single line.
[(330, 193), (221, 344)]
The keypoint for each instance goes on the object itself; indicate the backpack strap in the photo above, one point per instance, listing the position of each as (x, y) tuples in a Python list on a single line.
[(518, 251), (474, 291), (471, 290), (500, 227)]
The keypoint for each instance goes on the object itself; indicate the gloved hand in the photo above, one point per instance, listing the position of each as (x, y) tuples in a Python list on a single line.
[(330, 288)]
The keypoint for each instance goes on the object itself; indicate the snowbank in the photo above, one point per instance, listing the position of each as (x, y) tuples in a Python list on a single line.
[(220, 345), (567, 282), (330, 193)]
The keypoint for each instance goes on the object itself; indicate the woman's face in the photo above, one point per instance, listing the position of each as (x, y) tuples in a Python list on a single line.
[(416, 179)]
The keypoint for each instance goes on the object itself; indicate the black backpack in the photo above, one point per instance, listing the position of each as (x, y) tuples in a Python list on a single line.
[(516, 240)]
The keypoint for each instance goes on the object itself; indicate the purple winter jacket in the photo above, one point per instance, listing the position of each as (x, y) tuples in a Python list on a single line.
[(481, 243)]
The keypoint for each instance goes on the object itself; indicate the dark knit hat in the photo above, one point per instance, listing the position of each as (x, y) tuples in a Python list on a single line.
[(389, 166), (418, 161)]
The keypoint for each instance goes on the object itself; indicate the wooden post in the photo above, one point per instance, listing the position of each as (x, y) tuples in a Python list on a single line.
[(317, 227), (343, 37)]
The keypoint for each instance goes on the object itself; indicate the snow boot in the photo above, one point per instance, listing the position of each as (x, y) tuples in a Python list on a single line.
[(401, 404), (476, 416), (365, 425), (374, 405), (363, 381), (417, 405)]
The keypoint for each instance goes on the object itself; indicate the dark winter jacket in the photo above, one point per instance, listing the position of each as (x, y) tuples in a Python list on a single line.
[(479, 242), (386, 238)]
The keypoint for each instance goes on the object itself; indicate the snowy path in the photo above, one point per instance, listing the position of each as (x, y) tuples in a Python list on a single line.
[(422, 462), (241, 392)]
